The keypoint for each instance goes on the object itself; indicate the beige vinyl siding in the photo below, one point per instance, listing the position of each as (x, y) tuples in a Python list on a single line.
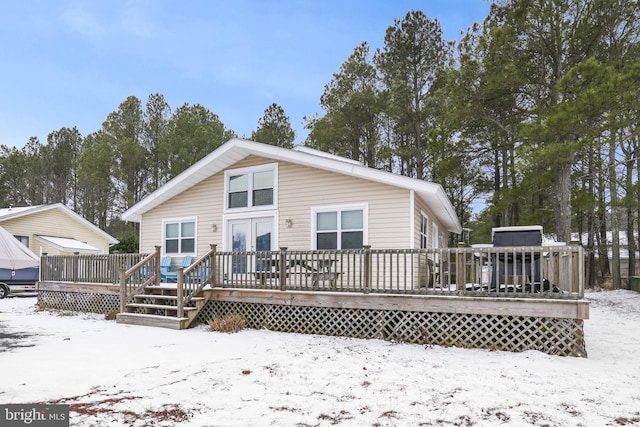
[(44, 248), (54, 223), (203, 202), (300, 189), (421, 207)]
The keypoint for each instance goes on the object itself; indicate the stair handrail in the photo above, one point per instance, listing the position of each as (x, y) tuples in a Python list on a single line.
[(184, 296), (126, 292)]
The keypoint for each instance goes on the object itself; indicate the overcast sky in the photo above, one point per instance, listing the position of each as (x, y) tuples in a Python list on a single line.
[(71, 63)]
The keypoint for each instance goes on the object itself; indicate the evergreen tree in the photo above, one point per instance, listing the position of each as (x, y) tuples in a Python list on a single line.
[(414, 53), (274, 128), (353, 107), (193, 132), (154, 134), (13, 170), (97, 193), (60, 174), (35, 186), (125, 127)]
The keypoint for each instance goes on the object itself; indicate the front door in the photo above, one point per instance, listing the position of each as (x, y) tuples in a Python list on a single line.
[(248, 235)]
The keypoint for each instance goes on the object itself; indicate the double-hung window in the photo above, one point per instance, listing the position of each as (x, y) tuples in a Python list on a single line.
[(180, 237), (340, 228), (251, 188), (424, 232)]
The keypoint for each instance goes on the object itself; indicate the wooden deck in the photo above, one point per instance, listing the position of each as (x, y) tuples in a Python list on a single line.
[(462, 296), (544, 307), (167, 303), (554, 326)]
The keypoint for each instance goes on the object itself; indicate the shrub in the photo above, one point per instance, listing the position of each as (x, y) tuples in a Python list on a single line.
[(230, 324)]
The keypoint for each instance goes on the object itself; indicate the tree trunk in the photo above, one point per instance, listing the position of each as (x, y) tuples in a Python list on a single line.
[(630, 210), (497, 217), (562, 201), (601, 237), (591, 228), (636, 211), (591, 252), (615, 229)]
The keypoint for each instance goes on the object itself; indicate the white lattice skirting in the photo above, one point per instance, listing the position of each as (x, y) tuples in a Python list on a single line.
[(79, 301), (511, 333), (557, 336)]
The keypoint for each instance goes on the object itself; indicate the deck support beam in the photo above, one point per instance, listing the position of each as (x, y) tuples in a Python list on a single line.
[(542, 307)]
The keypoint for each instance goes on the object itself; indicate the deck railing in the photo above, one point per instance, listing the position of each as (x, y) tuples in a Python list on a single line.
[(103, 268), (190, 281), (194, 278), (548, 271), (133, 280), (553, 271)]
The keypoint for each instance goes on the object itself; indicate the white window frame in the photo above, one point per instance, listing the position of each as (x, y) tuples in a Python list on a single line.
[(250, 171), (424, 233), (434, 236), (227, 218), (364, 207), (180, 221)]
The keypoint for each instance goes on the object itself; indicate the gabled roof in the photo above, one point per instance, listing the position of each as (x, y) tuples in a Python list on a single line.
[(10, 213), (237, 149), (68, 245)]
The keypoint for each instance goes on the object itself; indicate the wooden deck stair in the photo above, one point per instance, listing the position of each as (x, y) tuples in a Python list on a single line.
[(158, 306)]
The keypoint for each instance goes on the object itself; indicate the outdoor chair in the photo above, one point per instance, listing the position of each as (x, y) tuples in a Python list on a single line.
[(165, 267), (167, 272)]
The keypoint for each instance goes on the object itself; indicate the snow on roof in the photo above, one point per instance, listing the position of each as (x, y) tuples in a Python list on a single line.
[(16, 212), (517, 228), (67, 245), (314, 152)]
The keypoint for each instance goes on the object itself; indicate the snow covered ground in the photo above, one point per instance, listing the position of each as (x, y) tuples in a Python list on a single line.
[(115, 375)]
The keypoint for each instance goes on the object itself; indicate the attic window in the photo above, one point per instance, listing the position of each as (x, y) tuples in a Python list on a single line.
[(250, 188)]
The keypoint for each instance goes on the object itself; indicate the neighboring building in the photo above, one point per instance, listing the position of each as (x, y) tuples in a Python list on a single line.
[(252, 196), (55, 230), (624, 251)]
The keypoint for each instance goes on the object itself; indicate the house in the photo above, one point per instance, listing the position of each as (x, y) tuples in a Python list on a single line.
[(55, 230), (354, 263), (248, 196), (623, 251)]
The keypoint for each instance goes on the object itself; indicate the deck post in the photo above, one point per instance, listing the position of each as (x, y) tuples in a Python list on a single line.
[(123, 290), (212, 264), (282, 268), (367, 268), (44, 267), (180, 293), (75, 266), (577, 269), (158, 265), (460, 267)]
